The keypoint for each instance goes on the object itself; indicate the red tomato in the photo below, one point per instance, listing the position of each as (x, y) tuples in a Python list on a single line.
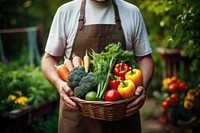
[(186, 88), (182, 85), (168, 100), (112, 95), (174, 79), (114, 82), (174, 97), (173, 87), (164, 118), (165, 105)]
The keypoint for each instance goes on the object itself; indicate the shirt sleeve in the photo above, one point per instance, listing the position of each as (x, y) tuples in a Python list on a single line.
[(56, 41), (141, 42)]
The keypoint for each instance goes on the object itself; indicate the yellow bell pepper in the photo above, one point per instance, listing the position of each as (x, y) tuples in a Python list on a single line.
[(136, 76), (126, 89)]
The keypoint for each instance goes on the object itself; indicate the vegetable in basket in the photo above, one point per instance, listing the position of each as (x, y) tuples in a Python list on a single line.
[(62, 72), (80, 81), (126, 89), (86, 84), (103, 63), (75, 76), (112, 95), (91, 96), (86, 61), (135, 75), (120, 69), (114, 82)]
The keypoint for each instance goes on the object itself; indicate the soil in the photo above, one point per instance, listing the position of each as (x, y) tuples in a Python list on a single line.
[(151, 122)]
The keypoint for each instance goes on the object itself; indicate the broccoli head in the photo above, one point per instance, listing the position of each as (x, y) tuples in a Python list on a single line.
[(86, 84), (75, 76)]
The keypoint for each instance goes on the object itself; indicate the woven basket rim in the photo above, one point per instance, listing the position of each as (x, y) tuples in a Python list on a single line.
[(103, 110), (79, 100)]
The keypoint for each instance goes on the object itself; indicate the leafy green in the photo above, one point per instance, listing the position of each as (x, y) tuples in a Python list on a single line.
[(27, 79), (103, 63)]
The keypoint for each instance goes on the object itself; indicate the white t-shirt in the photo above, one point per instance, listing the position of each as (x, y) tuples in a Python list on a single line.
[(65, 24)]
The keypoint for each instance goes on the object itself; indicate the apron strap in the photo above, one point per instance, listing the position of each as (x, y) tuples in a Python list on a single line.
[(82, 16), (117, 18)]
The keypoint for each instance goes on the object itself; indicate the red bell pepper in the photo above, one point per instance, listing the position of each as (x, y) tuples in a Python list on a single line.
[(120, 69), (114, 82)]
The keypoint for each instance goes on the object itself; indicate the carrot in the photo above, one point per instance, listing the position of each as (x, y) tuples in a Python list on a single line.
[(86, 61), (68, 64), (77, 61), (62, 72)]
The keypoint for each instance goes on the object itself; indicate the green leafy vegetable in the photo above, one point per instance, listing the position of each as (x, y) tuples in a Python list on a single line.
[(103, 63), (80, 81)]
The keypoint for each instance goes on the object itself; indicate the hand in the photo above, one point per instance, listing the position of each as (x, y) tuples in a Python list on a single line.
[(135, 106), (65, 91)]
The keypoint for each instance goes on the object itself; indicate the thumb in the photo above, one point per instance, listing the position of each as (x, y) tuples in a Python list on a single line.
[(139, 90)]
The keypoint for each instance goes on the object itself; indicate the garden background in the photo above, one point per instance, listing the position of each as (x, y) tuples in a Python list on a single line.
[(173, 27)]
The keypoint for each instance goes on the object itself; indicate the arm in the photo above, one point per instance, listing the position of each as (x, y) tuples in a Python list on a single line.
[(48, 63), (147, 67)]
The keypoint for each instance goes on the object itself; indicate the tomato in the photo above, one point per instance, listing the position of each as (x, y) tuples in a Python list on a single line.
[(114, 82), (112, 95), (164, 118), (182, 86), (120, 69), (186, 88), (174, 97), (165, 105), (174, 79), (136, 76), (173, 87), (168, 100), (91, 96)]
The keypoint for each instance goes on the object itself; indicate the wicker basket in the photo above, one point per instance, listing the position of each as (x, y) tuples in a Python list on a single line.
[(103, 110)]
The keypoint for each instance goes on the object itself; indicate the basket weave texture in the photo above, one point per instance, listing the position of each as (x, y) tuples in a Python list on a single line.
[(103, 110)]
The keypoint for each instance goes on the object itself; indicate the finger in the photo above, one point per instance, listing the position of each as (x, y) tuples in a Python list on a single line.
[(133, 110), (69, 102), (135, 105), (68, 90), (137, 101), (68, 63), (139, 90)]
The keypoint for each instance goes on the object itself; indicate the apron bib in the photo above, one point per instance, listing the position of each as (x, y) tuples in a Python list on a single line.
[(95, 37)]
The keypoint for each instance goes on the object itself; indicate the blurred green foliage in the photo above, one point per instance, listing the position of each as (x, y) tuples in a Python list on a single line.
[(27, 79), (170, 24), (178, 27), (27, 13)]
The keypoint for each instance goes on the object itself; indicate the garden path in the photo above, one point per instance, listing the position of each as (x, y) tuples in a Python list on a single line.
[(151, 122)]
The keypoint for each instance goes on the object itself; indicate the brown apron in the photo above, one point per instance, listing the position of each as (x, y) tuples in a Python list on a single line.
[(96, 37)]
